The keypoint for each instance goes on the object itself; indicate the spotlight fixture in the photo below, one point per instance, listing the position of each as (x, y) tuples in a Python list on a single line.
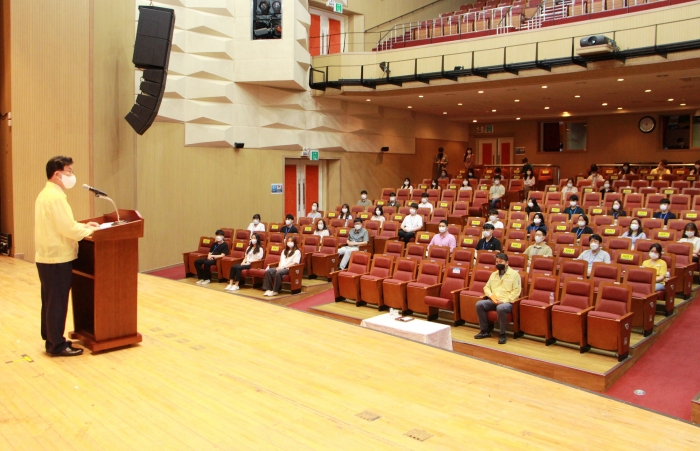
[(459, 67), (238, 145)]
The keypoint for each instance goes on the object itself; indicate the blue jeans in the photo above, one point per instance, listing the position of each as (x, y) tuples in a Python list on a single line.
[(495, 203), (660, 286)]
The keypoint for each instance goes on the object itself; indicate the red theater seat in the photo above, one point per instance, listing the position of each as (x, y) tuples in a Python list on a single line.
[(610, 323)]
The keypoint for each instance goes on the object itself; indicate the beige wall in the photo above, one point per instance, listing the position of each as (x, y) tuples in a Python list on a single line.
[(610, 139)]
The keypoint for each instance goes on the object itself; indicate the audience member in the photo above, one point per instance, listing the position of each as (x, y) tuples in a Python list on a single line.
[(537, 224), (696, 168), (345, 215), (606, 189), (289, 226), (488, 242), (540, 247), (663, 212), (529, 180), (690, 235), (468, 158), (441, 161), (635, 231), (656, 263), (254, 253), (616, 211), (532, 205), (573, 208), (410, 224), (465, 185), (593, 176), (434, 184), (502, 288), (314, 214), (444, 176), (661, 169), (470, 173), (526, 164), (493, 219), (424, 203), (582, 227), (443, 238), (256, 225), (595, 253), (378, 214), (407, 185), (358, 236), (364, 202), (625, 170), (321, 228), (496, 192), (218, 249), (392, 200), (273, 276), (570, 187)]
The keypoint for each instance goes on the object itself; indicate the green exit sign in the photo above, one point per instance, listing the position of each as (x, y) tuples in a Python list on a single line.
[(314, 155), (338, 8)]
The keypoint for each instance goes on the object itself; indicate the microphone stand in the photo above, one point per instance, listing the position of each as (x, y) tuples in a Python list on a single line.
[(118, 221)]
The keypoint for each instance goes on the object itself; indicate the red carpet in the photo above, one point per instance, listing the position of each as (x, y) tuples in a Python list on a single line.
[(317, 299), (173, 273), (669, 372)]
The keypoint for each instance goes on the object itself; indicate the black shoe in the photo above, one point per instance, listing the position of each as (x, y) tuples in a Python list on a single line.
[(502, 340), (68, 352), (481, 335)]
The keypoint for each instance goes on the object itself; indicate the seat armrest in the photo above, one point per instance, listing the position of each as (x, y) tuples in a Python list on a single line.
[(257, 264), (585, 311), (274, 265), (625, 317)]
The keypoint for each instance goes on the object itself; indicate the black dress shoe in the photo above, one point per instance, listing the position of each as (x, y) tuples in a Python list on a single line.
[(502, 340), (481, 335), (68, 352)]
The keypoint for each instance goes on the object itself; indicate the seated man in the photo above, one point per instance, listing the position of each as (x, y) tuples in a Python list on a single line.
[(411, 224), (540, 247), (500, 291), (493, 219), (358, 236), (496, 192), (663, 212), (594, 176), (661, 169), (218, 249), (289, 226), (425, 203), (595, 253), (443, 238), (364, 202), (488, 242), (573, 208), (392, 200)]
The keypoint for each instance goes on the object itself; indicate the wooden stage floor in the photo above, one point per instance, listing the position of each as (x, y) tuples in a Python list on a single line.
[(220, 371)]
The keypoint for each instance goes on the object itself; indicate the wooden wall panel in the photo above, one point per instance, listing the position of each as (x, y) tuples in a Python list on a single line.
[(50, 104), (6, 204)]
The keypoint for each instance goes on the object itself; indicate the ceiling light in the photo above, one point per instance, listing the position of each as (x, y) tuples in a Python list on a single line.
[(369, 100), (444, 112), (546, 108), (577, 96), (544, 87), (620, 79), (474, 120), (481, 92), (648, 90), (410, 106), (670, 100), (605, 104), (682, 104), (517, 118), (420, 97), (517, 100), (566, 114), (459, 104), (619, 108), (493, 111)]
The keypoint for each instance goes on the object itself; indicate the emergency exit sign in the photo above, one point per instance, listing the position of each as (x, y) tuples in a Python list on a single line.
[(338, 8), (314, 155)]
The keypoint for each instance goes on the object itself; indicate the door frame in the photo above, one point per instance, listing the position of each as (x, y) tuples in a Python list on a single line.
[(497, 149), (301, 164)]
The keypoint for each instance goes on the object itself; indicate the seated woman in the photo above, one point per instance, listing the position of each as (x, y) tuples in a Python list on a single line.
[(532, 205), (465, 185), (255, 252), (537, 224), (656, 263), (696, 168), (443, 175), (273, 276), (378, 214), (606, 189), (582, 228), (616, 211), (407, 185), (470, 174), (635, 231), (626, 170), (529, 180), (314, 214), (345, 214), (434, 184), (570, 187), (690, 235), (256, 225), (321, 229)]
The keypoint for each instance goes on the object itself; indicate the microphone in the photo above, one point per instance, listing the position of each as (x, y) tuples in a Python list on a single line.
[(95, 190)]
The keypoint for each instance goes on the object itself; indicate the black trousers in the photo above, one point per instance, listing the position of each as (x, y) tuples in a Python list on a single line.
[(406, 237), (203, 267), (56, 282), (236, 273)]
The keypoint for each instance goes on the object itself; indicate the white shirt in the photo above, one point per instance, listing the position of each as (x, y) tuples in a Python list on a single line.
[(566, 190), (294, 259), (314, 215), (591, 258), (497, 225), (256, 228), (412, 222), (426, 205), (695, 241), (252, 256), (323, 232)]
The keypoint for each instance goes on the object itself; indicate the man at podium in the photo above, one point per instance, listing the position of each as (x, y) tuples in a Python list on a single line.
[(56, 236)]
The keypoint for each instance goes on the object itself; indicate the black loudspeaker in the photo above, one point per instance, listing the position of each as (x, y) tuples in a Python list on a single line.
[(267, 19), (385, 149), (598, 39), (154, 37)]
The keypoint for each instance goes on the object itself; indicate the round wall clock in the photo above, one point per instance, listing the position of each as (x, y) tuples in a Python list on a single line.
[(647, 124)]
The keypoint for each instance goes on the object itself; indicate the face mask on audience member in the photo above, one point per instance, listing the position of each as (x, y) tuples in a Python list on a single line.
[(319, 226), (392, 199), (582, 224), (616, 207), (634, 227), (663, 207), (653, 255), (358, 226), (442, 229), (606, 186), (424, 200), (364, 196), (465, 183), (288, 222), (572, 203), (413, 211), (377, 212), (530, 204), (314, 208), (625, 168), (538, 239), (569, 185), (537, 221), (253, 241), (493, 218), (487, 233), (690, 233), (219, 238), (256, 221), (500, 266), (496, 182), (290, 244), (405, 183), (594, 246), (345, 210)]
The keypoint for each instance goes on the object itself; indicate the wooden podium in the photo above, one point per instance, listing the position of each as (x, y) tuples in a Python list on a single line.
[(105, 282)]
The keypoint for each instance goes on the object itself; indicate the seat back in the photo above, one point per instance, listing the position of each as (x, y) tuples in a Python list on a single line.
[(455, 278), (329, 245), (480, 276), (275, 237), (572, 269), (567, 251), (663, 235), (404, 269), (372, 227), (543, 265), (604, 272), (682, 251), (632, 201), (679, 202), (552, 198), (273, 253), (642, 280), (515, 246), (486, 258), (415, 251), (643, 246), (204, 245), (241, 234), (439, 254), (614, 298), (609, 230), (359, 263), (517, 261), (565, 238), (390, 228), (543, 286), (610, 198), (653, 201), (394, 248), (577, 293), (652, 223), (238, 248), (310, 244), (467, 241), (591, 199), (678, 225), (424, 237), (460, 255), (602, 220), (615, 243), (381, 265), (626, 258), (429, 272)]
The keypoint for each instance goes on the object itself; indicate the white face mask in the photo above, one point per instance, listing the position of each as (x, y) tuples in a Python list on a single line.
[(493, 218), (653, 255), (290, 244), (392, 199), (253, 241), (496, 182), (582, 223), (594, 246), (538, 239), (537, 220), (663, 207), (345, 210), (256, 221), (530, 204), (319, 226), (68, 181), (569, 185), (377, 213), (413, 211), (606, 186), (634, 227), (572, 203), (465, 183), (424, 201), (487, 233), (314, 208), (358, 226), (616, 207), (406, 183), (442, 229), (219, 238), (364, 196), (690, 233), (288, 222)]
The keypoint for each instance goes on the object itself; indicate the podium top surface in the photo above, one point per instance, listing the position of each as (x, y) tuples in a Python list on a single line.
[(131, 228)]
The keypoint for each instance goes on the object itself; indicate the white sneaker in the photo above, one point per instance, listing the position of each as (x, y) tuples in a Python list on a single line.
[(228, 288), (274, 293), (267, 293), (204, 282), (235, 288), (199, 282)]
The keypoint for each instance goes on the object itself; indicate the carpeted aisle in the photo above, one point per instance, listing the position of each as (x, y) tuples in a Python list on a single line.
[(669, 372), (312, 301), (173, 273)]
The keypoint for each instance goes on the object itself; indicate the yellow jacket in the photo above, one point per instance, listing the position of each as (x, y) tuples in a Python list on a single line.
[(506, 288)]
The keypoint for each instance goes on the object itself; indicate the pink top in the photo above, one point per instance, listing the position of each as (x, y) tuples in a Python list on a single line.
[(447, 240)]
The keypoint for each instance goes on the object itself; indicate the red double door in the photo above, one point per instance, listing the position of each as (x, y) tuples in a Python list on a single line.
[(301, 187)]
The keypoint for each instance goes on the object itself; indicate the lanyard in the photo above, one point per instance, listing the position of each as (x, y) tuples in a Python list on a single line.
[(483, 246), (580, 232)]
